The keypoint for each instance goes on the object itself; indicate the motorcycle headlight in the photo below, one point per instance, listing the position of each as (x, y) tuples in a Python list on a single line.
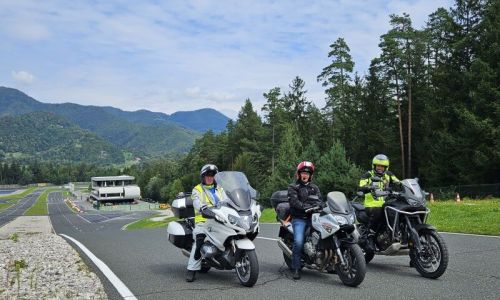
[(352, 218), (233, 219), (240, 222), (341, 220), (255, 218)]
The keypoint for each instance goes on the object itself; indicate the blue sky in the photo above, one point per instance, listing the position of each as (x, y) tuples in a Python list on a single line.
[(172, 56)]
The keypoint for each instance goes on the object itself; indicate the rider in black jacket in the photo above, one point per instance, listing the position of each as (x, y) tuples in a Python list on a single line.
[(298, 194)]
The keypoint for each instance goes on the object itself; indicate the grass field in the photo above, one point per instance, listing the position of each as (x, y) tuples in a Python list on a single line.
[(39, 208), (151, 223), (467, 216)]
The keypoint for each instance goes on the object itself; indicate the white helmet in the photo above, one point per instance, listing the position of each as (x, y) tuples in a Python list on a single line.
[(208, 169)]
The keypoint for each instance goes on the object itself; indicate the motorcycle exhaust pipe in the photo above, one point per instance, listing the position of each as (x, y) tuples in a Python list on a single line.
[(285, 248)]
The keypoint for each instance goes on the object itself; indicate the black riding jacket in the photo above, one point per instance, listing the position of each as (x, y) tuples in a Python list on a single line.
[(297, 196)]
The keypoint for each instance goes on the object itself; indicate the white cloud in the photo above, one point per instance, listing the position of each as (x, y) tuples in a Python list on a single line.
[(183, 55), (23, 77)]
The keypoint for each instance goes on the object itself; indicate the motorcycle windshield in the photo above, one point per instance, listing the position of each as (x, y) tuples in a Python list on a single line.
[(337, 203), (237, 188), (413, 193)]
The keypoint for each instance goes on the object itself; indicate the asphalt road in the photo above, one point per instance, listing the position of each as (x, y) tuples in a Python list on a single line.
[(152, 268), (19, 208)]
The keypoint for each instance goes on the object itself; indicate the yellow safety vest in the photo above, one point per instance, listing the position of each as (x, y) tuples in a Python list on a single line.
[(370, 201), (207, 197)]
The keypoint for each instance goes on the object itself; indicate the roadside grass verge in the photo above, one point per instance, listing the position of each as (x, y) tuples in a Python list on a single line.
[(12, 199), (39, 208), (20, 195), (467, 216), (268, 216), (150, 222)]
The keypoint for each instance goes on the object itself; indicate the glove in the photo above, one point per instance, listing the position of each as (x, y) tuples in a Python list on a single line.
[(365, 189), (207, 213), (307, 206)]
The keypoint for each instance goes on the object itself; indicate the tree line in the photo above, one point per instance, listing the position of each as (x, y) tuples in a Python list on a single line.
[(429, 101)]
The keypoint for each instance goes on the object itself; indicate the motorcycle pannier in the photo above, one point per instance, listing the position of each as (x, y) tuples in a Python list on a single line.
[(279, 201), (180, 234), (279, 197), (183, 207)]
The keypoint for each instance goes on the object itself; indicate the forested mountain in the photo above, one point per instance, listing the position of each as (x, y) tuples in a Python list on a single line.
[(201, 120), (47, 137), (142, 132)]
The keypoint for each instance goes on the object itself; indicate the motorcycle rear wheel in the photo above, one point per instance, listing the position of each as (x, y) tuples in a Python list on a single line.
[(432, 261), (353, 273), (247, 267)]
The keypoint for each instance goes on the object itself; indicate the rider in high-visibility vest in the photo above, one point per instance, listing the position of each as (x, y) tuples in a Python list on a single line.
[(204, 195), (380, 164)]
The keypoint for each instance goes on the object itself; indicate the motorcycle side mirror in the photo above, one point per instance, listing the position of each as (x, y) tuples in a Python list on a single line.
[(360, 194)]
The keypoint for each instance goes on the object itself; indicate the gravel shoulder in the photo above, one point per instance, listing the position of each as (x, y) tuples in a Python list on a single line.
[(35, 263)]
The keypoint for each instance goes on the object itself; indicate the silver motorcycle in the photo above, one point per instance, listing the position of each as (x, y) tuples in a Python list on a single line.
[(331, 241)]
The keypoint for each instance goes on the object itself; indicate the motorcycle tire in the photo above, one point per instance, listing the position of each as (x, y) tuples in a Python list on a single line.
[(434, 249), (248, 271), (205, 268), (354, 271)]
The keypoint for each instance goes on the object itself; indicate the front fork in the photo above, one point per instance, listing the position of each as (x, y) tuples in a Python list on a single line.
[(414, 235), (339, 252)]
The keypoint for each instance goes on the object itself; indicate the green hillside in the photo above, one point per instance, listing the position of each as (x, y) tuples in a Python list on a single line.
[(48, 137), (142, 132)]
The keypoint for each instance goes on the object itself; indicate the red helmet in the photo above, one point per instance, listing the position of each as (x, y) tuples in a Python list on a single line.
[(305, 166)]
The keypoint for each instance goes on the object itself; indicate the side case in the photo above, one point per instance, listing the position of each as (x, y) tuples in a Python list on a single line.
[(180, 234)]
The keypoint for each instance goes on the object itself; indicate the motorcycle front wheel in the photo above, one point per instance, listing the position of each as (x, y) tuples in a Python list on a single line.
[(247, 267), (432, 260), (354, 270)]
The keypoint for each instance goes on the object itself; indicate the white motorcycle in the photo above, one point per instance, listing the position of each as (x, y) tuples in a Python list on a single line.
[(229, 236)]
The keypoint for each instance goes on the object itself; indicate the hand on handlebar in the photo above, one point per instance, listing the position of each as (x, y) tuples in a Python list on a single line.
[(206, 212), (310, 208)]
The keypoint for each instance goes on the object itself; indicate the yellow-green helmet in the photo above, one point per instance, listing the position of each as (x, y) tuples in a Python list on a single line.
[(380, 160)]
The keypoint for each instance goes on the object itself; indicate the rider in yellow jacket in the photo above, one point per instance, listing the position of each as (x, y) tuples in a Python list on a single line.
[(205, 196), (373, 205)]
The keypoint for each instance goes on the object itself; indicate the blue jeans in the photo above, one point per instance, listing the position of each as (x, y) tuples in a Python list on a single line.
[(299, 230)]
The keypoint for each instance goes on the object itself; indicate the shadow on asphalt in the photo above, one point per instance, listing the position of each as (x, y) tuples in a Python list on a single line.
[(394, 269)]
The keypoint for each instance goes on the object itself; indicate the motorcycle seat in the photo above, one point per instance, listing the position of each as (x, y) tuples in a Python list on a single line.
[(358, 206)]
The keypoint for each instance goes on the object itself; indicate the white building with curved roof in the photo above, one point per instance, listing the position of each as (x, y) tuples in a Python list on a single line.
[(114, 188)]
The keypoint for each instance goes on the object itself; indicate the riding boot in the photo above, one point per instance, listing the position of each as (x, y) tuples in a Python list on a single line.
[(296, 274), (190, 275)]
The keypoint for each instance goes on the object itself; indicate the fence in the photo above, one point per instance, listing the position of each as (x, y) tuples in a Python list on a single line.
[(130, 207), (475, 191)]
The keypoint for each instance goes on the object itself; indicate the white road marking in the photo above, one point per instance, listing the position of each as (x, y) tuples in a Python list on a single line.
[(458, 233), (117, 283)]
